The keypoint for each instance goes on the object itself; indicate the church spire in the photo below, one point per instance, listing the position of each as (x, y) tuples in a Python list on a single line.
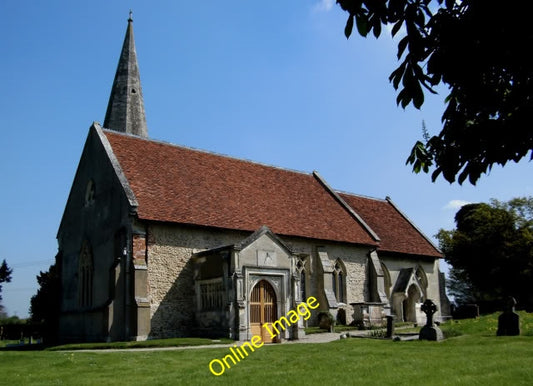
[(125, 110)]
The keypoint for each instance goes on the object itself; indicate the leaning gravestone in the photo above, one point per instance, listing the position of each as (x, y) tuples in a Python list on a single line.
[(509, 321), (430, 331)]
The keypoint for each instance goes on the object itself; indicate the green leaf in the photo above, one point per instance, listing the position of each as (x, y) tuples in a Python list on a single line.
[(362, 25), (349, 26), (396, 27), (402, 45), (418, 95), (397, 75), (403, 98), (377, 27)]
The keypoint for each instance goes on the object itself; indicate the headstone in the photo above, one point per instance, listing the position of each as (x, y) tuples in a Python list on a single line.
[(509, 321), (390, 326), (430, 331), (466, 311), (326, 321)]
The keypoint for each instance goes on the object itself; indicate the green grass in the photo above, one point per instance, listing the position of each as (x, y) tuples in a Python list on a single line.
[(155, 343), (338, 328), (4, 343), (476, 357)]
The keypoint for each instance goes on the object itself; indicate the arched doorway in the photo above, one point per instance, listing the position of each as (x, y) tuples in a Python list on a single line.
[(409, 304), (262, 309)]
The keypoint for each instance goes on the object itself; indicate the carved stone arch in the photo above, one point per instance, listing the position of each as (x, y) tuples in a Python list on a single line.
[(263, 308), (413, 297), (275, 282), (422, 279), (386, 280)]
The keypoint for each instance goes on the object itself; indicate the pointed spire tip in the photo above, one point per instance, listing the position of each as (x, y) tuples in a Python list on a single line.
[(130, 19)]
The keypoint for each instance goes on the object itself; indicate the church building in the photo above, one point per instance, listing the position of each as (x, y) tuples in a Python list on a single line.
[(159, 240)]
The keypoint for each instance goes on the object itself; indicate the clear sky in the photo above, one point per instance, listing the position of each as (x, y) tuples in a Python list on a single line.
[(271, 81)]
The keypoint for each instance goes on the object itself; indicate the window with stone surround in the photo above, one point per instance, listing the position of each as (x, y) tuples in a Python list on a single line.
[(211, 295), (301, 267), (90, 193), (85, 276), (339, 281)]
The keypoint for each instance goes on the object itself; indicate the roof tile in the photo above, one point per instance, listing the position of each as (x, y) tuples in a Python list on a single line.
[(396, 232), (182, 185)]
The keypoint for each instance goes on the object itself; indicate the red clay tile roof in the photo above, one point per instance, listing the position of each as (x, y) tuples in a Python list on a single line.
[(181, 185), (396, 232)]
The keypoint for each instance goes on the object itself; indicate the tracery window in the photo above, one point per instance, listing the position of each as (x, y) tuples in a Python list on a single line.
[(301, 268), (339, 281), (85, 276)]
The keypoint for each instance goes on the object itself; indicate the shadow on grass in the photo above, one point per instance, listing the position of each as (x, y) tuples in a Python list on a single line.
[(156, 343)]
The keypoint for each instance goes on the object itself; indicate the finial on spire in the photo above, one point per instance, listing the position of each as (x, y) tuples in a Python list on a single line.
[(131, 16)]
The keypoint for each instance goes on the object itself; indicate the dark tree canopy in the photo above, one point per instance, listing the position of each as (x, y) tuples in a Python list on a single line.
[(5, 276), (45, 304), (479, 49), (491, 252)]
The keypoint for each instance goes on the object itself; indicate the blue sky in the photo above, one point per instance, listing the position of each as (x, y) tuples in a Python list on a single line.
[(274, 82)]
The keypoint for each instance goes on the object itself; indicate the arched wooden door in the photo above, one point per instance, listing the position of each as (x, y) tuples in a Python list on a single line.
[(262, 309)]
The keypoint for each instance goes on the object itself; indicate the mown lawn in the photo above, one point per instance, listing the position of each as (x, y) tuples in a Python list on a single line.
[(475, 358)]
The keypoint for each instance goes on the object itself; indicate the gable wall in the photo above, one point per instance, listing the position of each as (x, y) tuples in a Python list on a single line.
[(95, 224), (430, 267)]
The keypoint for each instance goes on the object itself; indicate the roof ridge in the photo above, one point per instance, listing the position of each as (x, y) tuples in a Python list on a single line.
[(347, 207), (361, 195), (427, 238), (210, 152)]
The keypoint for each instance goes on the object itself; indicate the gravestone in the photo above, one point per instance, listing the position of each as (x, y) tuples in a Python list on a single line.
[(430, 331), (509, 321), (390, 326)]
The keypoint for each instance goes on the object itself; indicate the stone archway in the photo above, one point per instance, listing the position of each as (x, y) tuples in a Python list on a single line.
[(263, 309), (409, 304)]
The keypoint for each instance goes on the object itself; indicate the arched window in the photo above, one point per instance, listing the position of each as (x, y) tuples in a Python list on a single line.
[(301, 267), (339, 281), (90, 192), (85, 276)]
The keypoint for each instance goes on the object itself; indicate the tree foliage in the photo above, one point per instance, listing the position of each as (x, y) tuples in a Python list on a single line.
[(5, 276), (491, 252), (45, 304), (479, 50)]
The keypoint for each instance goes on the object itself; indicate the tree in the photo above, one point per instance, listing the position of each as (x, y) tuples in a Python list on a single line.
[(478, 49), (45, 304), (5, 277), (491, 252)]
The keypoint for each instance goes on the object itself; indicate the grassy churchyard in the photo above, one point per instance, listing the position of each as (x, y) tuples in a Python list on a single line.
[(472, 355)]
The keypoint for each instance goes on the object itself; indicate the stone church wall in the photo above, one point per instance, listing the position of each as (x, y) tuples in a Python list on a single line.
[(170, 274), (354, 258)]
